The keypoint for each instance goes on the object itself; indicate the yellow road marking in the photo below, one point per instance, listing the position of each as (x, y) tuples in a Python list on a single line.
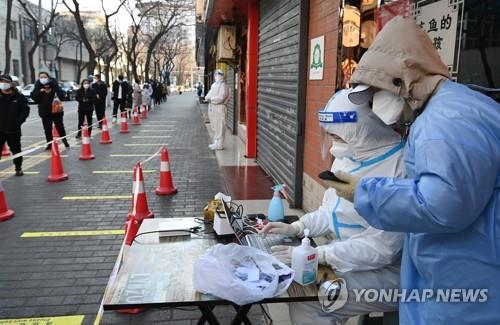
[(132, 155), (150, 136), (58, 320), (73, 233), (42, 156), (121, 171), (96, 197), (25, 173), (145, 144)]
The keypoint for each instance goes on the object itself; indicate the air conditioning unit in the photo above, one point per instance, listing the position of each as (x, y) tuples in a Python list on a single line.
[(226, 43)]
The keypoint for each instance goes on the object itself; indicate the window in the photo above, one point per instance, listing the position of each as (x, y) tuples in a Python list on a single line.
[(13, 30), (15, 65), (29, 33)]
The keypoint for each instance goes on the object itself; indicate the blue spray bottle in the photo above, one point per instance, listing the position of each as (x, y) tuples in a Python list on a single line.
[(276, 212)]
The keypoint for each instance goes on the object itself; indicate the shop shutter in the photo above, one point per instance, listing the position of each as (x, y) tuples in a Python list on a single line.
[(231, 109), (278, 127)]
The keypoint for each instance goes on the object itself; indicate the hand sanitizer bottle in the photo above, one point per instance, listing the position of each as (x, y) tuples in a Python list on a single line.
[(276, 212), (305, 261)]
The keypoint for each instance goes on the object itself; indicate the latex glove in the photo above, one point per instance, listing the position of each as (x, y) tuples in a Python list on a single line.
[(283, 253), (282, 228), (347, 189)]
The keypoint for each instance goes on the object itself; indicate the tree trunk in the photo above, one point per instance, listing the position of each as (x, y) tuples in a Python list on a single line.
[(31, 52), (8, 52)]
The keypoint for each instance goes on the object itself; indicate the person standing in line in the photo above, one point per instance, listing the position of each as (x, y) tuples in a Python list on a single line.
[(86, 98), (101, 91), (137, 95), (43, 94), (14, 110), (121, 91), (146, 96)]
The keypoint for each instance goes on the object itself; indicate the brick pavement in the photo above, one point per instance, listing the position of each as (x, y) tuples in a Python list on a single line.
[(67, 275)]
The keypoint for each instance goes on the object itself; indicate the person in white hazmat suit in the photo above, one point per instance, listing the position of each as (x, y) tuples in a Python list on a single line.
[(218, 97), (365, 257)]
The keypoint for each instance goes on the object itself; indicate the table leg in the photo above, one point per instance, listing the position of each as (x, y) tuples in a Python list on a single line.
[(207, 315), (241, 315)]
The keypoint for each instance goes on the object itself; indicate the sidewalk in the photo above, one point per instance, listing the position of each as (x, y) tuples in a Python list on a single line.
[(66, 275)]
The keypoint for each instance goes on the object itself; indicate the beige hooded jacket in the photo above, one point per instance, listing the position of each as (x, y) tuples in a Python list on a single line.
[(402, 60)]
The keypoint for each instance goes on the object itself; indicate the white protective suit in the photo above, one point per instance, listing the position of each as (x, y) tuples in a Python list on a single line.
[(365, 257), (218, 97)]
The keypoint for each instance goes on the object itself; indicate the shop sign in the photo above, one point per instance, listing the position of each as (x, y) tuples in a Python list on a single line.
[(317, 61)]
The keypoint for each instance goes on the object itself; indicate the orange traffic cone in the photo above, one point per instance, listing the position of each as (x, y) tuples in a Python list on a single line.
[(86, 149), (5, 212), (144, 112), (124, 124), (56, 168), (5, 151), (167, 186), (140, 208), (105, 139), (55, 133), (135, 117)]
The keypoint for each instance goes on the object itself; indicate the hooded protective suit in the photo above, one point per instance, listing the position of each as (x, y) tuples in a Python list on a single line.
[(218, 97), (449, 205), (363, 256)]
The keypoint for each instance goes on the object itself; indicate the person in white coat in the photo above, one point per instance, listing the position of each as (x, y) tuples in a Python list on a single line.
[(218, 97), (365, 257), (146, 96)]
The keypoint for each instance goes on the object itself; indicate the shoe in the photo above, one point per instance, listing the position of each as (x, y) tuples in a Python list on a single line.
[(19, 172), (65, 141), (114, 120), (78, 136), (211, 146), (49, 147)]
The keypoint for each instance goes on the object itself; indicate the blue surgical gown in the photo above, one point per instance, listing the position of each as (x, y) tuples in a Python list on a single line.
[(449, 206)]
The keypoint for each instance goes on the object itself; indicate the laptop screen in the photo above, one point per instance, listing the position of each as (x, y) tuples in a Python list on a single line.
[(234, 222)]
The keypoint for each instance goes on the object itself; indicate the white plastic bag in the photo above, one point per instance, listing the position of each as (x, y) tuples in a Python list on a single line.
[(240, 274)]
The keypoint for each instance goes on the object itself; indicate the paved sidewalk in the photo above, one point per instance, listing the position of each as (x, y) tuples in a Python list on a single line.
[(56, 276)]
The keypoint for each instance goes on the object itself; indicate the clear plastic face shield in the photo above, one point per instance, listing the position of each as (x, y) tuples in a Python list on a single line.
[(328, 121), (218, 75)]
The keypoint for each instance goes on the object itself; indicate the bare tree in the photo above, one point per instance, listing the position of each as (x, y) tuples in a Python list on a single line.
[(8, 26), (110, 57), (65, 33), (39, 34)]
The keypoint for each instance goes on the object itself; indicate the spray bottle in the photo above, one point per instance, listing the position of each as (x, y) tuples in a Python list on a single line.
[(276, 212), (305, 261)]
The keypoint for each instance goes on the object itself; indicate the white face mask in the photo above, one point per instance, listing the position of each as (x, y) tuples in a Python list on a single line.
[(44, 81), (388, 107), (218, 78), (86, 86), (341, 150), (4, 85)]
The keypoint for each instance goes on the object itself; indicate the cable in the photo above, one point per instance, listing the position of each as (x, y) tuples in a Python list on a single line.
[(193, 230)]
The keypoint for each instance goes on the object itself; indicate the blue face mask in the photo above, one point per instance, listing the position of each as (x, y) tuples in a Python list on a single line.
[(5, 85)]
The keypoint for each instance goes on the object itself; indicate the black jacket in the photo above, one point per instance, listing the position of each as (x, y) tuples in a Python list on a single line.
[(126, 90), (86, 99), (101, 89), (14, 110), (44, 100)]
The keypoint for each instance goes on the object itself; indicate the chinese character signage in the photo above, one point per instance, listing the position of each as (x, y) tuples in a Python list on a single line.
[(439, 19), (317, 61)]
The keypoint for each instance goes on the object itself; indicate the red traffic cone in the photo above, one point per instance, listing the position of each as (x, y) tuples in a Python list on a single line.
[(55, 133), (135, 117), (167, 186), (5, 151), (105, 139), (124, 124), (86, 149), (56, 168), (144, 112), (5, 212), (140, 208)]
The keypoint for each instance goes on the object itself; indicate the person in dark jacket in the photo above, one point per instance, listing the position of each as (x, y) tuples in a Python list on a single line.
[(122, 94), (101, 91), (43, 94), (86, 98), (14, 110)]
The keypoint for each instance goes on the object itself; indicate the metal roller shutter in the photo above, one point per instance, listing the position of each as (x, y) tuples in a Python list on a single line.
[(279, 126), (231, 108)]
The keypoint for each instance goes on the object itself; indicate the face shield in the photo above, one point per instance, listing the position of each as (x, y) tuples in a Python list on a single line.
[(331, 142)]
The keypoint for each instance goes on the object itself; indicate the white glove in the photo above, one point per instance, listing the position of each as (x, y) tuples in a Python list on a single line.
[(294, 229), (347, 189), (283, 253)]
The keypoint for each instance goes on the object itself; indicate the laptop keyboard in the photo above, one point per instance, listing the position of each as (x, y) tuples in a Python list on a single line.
[(265, 243)]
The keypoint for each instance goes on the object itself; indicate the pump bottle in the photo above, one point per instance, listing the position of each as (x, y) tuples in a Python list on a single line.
[(305, 261)]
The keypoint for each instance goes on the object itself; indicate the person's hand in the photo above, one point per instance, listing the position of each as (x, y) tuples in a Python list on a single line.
[(347, 189), (283, 253), (282, 228)]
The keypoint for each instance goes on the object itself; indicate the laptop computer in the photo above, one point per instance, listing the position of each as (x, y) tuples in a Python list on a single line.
[(259, 241)]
